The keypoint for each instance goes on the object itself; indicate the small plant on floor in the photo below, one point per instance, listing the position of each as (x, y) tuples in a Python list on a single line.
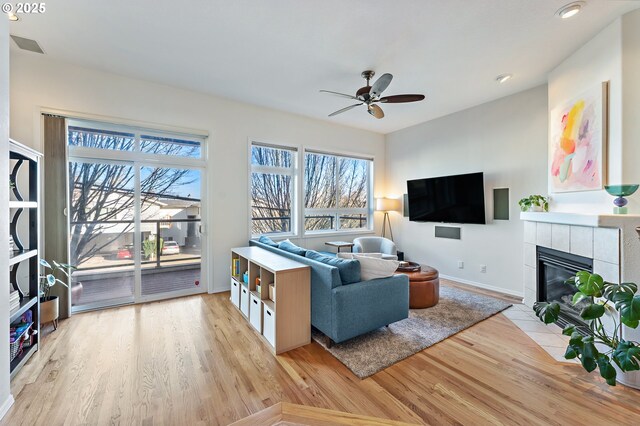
[(49, 280), (534, 201), (624, 353)]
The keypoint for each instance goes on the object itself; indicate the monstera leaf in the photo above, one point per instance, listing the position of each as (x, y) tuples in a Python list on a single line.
[(616, 291), (630, 311), (627, 356), (590, 354), (606, 369), (568, 329), (589, 284), (547, 312), (592, 311)]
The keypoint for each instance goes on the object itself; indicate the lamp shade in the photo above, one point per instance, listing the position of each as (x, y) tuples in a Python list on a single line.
[(387, 204)]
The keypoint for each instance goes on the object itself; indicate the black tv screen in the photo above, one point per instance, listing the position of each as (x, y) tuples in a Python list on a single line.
[(454, 199)]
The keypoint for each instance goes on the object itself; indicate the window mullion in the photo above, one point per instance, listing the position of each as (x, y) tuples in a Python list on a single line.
[(337, 186)]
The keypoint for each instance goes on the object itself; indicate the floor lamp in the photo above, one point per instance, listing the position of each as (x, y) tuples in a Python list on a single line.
[(387, 205)]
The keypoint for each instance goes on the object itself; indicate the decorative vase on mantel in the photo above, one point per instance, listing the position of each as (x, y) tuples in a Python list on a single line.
[(621, 191)]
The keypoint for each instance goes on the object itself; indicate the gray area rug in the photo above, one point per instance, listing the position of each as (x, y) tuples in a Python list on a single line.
[(457, 310)]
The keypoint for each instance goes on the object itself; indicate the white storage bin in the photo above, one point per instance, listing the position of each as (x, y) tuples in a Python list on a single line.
[(244, 300), (269, 325), (255, 313), (235, 293)]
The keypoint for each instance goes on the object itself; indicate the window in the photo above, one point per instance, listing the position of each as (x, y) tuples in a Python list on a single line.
[(336, 192), (135, 210), (102, 136), (272, 189)]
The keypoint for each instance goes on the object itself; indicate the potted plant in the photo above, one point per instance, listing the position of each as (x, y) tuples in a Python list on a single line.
[(49, 309), (534, 203), (595, 345)]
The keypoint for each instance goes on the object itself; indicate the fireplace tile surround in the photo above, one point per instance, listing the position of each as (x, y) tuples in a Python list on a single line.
[(600, 244), (612, 241)]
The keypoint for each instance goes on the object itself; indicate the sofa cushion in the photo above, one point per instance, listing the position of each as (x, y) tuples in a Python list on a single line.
[(287, 245), (268, 241), (349, 269), (372, 268)]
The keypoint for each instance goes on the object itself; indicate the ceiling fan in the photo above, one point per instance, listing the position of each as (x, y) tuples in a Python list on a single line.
[(370, 95)]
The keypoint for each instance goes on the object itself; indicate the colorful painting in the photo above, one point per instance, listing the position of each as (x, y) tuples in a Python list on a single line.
[(577, 145)]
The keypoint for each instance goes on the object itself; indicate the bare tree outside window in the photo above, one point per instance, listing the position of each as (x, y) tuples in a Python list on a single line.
[(271, 192), (335, 190), (102, 198)]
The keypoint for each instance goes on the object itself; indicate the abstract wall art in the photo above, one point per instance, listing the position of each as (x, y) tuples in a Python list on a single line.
[(578, 142)]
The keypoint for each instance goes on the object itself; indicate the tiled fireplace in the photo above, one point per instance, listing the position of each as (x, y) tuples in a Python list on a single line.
[(610, 243)]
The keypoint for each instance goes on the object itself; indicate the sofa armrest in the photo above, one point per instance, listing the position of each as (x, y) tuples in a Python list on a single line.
[(367, 305)]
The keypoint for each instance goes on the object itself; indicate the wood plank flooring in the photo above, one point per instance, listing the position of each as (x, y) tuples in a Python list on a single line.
[(195, 360)]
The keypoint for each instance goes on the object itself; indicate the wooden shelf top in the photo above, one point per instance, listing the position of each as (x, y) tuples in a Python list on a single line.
[(270, 261)]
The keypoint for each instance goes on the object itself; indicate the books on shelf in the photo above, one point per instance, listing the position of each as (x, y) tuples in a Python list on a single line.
[(235, 267), (14, 300)]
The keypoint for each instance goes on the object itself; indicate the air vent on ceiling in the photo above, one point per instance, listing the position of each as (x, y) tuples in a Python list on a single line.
[(27, 44)]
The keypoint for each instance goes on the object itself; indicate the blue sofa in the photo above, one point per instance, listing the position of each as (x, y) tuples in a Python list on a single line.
[(345, 311)]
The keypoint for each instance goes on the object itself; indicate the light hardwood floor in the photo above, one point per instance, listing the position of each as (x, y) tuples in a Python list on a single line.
[(194, 360)]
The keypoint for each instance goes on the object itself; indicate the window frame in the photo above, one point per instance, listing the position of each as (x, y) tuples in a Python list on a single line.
[(136, 154), (294, 172), (298, 209), (338, 210)]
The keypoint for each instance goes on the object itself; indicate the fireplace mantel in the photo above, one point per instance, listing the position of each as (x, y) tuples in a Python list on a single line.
[(592, 220)]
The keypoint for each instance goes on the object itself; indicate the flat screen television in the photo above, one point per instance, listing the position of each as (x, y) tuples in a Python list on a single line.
[(454, 199)]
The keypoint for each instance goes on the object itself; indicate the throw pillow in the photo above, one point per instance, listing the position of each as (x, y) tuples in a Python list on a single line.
[(287, 245), (268, 241), (372, 268), (349, 269), (345, 255)]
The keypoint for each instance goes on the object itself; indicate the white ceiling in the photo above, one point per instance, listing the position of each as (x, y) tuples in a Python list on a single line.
[(279, 53)]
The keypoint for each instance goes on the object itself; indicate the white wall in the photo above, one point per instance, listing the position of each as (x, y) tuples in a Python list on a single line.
[(38, 82), (631, 101), (597, 61), (5, 396), (507, 140)]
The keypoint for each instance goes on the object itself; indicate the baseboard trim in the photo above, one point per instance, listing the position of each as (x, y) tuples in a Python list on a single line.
[(483, 286), (4, 408)]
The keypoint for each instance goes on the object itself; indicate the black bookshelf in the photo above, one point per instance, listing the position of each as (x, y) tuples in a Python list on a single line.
[(25, 205)]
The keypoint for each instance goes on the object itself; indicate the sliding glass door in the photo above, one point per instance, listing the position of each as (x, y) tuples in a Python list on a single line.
[(134, 218)]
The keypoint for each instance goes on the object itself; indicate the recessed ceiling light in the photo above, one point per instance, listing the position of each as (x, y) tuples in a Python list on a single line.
[(503, 77), (569, 10), (13, 17)]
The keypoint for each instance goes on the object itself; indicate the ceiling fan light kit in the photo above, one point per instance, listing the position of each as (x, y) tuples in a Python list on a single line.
[(370, 95)]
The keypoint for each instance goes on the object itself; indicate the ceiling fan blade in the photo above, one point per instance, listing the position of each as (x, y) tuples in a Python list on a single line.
[(344, 95), (398, 99), (340, 111), (380, 85), (376, 111)]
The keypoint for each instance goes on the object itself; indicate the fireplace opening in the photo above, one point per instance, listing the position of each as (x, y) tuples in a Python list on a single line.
[(554, 269)]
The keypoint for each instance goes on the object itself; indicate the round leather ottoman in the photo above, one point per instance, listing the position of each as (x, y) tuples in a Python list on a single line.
[(424, 288)]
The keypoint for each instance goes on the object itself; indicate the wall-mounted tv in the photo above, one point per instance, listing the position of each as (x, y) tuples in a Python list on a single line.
[(453, 199)]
